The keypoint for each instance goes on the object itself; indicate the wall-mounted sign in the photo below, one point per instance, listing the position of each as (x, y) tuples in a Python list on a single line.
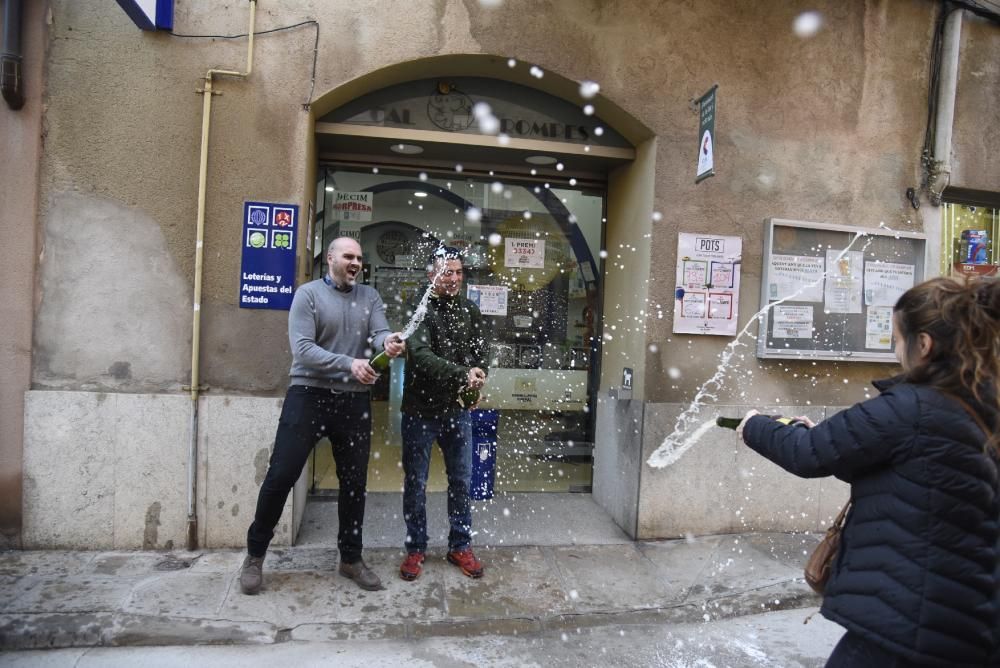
[(706, 135), (150, 14), (446, 105), (352, 206), (267, 271), (708, 284), (827, 291)]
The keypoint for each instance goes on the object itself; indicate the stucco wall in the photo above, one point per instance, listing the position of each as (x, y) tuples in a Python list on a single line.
[(826, 129), (976, 141), (20, 146), (109, 470)]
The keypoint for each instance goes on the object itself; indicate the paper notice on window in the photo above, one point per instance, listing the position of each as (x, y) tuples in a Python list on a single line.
[(878, 328), (792, 322), (524, 253), (353, 205), (842, 293), (885, 282), (491, 299), (796, 277)]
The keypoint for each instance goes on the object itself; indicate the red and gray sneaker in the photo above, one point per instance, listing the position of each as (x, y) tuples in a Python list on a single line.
[(412, 566), (466, 561)]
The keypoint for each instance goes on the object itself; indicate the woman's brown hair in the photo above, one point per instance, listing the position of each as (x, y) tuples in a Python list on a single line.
[(963, 319)]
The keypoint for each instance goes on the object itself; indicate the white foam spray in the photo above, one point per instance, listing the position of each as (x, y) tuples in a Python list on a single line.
[(678, 441)]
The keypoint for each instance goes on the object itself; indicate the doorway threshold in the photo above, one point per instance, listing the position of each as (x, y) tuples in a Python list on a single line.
[(508, 519)]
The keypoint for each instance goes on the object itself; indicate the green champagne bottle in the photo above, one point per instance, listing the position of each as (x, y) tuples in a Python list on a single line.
[(380, 362), (733, 423), (468, 397)]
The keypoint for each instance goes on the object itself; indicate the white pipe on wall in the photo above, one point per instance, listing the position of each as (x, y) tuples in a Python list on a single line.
[(945, 116), (206, 121)]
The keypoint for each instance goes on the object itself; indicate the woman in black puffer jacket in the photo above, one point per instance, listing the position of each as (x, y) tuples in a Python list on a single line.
[(917, 580)]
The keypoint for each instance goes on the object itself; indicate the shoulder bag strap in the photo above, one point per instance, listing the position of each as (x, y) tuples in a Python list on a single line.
[(839, 522)]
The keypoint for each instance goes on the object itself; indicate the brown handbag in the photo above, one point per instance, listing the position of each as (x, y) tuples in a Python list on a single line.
[(820, 562)]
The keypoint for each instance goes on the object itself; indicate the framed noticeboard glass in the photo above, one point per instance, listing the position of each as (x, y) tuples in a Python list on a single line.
[(827, 291)]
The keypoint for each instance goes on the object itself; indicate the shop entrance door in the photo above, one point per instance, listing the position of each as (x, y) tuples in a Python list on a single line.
[(532, 258)]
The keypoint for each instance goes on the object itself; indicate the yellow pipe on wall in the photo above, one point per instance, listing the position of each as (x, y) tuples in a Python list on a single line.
[(206, 121)]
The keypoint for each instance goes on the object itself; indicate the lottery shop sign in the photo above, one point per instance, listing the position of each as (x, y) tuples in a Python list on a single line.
[(267, 272)]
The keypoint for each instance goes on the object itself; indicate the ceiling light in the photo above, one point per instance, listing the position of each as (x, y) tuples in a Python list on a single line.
[(419, 193), (329, 189), (540, 159), (406, 149)]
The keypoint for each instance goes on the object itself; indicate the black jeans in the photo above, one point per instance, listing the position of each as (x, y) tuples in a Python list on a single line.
[(309, 414), (853, 651)]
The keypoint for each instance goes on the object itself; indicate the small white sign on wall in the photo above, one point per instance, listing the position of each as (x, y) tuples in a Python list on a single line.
[(708, 284)]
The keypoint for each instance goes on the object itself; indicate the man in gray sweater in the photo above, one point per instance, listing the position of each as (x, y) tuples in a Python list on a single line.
[(333, 327)]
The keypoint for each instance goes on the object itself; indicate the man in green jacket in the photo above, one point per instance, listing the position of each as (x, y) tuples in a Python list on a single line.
[(446, 355)]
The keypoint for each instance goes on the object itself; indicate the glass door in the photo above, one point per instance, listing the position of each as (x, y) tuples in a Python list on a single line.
[(532, 257)]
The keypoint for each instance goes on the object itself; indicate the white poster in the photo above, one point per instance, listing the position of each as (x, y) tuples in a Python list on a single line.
[(792, 322), (525, 253), (842, 293), (798, 277), (878, 328), (708, 284), (491, 299), (353, 206), (885, 282)]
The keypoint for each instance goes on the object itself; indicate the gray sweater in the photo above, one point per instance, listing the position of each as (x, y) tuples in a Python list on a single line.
[(328, 329)]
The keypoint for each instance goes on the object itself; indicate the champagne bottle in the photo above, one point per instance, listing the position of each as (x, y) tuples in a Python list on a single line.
[(733, 423), (468, 397), (380, 362)]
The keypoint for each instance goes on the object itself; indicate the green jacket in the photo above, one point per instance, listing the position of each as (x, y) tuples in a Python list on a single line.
[(450, 341)]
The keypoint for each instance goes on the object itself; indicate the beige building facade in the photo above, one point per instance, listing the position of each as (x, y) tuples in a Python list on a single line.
[(109, 285)]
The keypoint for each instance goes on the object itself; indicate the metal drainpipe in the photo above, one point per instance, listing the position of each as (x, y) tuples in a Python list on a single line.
[(11, 81), (206, 117), (945, 116)]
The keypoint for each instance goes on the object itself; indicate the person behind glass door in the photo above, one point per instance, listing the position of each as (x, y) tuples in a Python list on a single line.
[(917, 578), (332, 325), (447, 353)]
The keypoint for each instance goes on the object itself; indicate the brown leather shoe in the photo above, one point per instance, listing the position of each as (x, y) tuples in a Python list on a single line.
[(362, 575), (252, 575)]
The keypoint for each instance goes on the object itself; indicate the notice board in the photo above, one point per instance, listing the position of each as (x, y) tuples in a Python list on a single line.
[(827, 291)]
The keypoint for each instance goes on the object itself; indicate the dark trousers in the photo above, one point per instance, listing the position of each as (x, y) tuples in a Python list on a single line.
[(853, 651), (309, 414), (454, 436)]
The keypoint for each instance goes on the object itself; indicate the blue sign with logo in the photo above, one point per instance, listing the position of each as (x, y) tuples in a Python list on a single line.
[(267, 273), (150, 14)]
